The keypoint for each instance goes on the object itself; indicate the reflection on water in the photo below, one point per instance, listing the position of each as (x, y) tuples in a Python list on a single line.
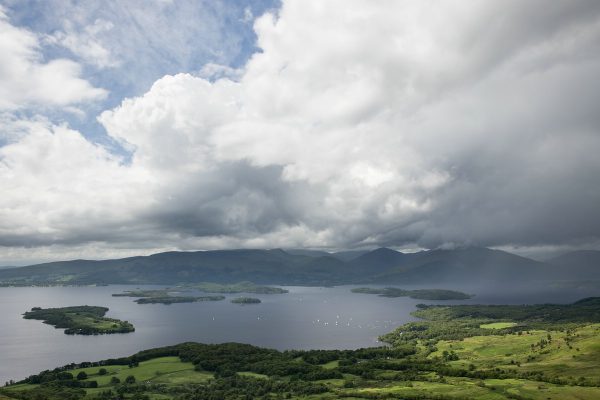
[(306, 318)]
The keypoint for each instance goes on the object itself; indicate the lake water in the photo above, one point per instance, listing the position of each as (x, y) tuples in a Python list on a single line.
[(305, 318)]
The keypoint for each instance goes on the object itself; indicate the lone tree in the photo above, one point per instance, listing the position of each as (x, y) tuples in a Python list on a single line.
[(130, 379), (81, 376), (102, 371)]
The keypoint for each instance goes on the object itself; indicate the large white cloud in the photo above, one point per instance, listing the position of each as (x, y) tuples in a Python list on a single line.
[(58, 188), (358, 123), (27, 80)]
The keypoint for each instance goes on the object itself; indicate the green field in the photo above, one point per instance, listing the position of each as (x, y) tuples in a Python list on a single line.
[(487, 389), (162, 369), (573, 355), (498, 325), (166, 371)]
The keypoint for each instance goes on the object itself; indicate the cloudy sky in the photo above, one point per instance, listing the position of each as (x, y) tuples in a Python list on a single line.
[(131, 127)]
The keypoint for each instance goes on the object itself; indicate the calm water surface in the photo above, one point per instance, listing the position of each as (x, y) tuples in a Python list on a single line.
[(305, 318)]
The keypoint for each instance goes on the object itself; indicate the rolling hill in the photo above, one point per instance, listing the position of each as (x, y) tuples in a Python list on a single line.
[(276, 266), (476, 265)]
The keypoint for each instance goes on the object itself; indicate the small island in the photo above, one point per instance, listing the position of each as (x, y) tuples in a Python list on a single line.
[(245, 300), (177, 299), (240, 287), (80, 320), (163, 296), (421, 294), (143, 293)]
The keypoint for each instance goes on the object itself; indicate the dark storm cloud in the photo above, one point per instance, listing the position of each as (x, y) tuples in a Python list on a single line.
[(233, 199)]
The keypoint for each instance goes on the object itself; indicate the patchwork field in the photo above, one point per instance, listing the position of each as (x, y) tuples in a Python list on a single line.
[(168, 371), (498, 325), (572, 355)]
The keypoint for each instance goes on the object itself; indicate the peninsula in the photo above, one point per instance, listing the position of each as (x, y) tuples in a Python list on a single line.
[(421, 294)]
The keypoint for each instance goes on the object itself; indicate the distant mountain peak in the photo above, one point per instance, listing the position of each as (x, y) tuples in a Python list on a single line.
[(384, 250), (379, 259)]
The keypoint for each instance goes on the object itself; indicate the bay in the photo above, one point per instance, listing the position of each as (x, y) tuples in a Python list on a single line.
[(305, 318)]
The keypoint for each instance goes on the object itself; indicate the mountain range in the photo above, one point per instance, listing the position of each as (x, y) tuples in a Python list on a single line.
[(308, 267)]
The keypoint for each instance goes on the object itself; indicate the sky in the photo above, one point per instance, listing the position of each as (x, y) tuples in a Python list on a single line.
[(133, 127)]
